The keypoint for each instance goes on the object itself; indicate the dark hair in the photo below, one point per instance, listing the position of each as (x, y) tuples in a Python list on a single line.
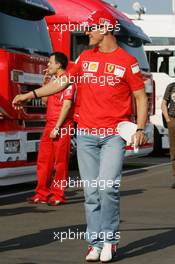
[(60, 58)]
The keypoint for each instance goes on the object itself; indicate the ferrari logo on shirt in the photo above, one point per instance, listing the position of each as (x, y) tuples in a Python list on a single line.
[(115, 69), (109, 68), (135, 68)]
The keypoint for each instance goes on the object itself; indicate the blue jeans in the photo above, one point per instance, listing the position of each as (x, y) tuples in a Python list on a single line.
[(100, 160)]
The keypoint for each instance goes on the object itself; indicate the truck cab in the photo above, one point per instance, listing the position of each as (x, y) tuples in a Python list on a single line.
[(24, 49)]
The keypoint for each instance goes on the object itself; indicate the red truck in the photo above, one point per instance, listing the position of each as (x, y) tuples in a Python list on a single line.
[(24, 49)]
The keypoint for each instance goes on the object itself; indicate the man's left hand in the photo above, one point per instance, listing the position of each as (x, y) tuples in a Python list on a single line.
[(139, 138)]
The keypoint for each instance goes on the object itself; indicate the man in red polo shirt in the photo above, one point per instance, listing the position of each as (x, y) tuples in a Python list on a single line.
[(54, 149), (108, 77)]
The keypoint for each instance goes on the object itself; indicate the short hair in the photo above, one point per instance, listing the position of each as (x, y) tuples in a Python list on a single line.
[(61, 58)]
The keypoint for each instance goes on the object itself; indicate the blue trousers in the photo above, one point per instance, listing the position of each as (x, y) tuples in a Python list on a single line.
[(100, 160)]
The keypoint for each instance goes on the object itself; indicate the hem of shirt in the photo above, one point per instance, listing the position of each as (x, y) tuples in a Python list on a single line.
[(98, 131)]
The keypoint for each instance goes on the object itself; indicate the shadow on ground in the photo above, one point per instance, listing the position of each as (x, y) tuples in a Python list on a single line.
[(148, 244), (139, 247)]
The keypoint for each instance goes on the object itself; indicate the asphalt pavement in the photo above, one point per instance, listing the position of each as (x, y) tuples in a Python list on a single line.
[(39, 234)]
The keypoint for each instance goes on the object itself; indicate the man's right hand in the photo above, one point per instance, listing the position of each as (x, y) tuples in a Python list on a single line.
[(19, 101), (47, 77)]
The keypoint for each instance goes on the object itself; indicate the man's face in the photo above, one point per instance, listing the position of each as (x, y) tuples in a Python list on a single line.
[(53, 66), (95, 36)]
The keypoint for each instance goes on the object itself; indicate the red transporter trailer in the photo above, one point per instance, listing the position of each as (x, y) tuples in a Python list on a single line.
[(67, 36), (24, 50)]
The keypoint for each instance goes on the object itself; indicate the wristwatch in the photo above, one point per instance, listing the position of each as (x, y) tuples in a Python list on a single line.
[(140, 130)]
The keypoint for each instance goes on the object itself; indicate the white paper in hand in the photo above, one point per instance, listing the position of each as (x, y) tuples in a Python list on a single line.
[(126, 129)]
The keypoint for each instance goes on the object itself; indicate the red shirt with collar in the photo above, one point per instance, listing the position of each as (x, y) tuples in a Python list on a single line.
[(107, 81), (55, 104)]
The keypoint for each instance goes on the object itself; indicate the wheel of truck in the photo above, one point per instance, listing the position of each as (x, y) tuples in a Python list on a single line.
[(157, 149)]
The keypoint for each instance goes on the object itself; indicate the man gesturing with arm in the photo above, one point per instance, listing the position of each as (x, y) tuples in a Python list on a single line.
[(110, 77)]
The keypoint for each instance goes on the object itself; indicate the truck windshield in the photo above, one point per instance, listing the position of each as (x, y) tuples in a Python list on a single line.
[(24, 35), (162, 61), (134, 46)]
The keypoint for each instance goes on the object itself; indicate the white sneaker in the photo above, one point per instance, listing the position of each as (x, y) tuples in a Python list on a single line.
[(108, 251), (93, 254)]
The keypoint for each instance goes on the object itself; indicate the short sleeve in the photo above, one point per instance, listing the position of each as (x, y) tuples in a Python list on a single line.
[(75, 70), (133, 75), (69, 92), (167, 93)]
